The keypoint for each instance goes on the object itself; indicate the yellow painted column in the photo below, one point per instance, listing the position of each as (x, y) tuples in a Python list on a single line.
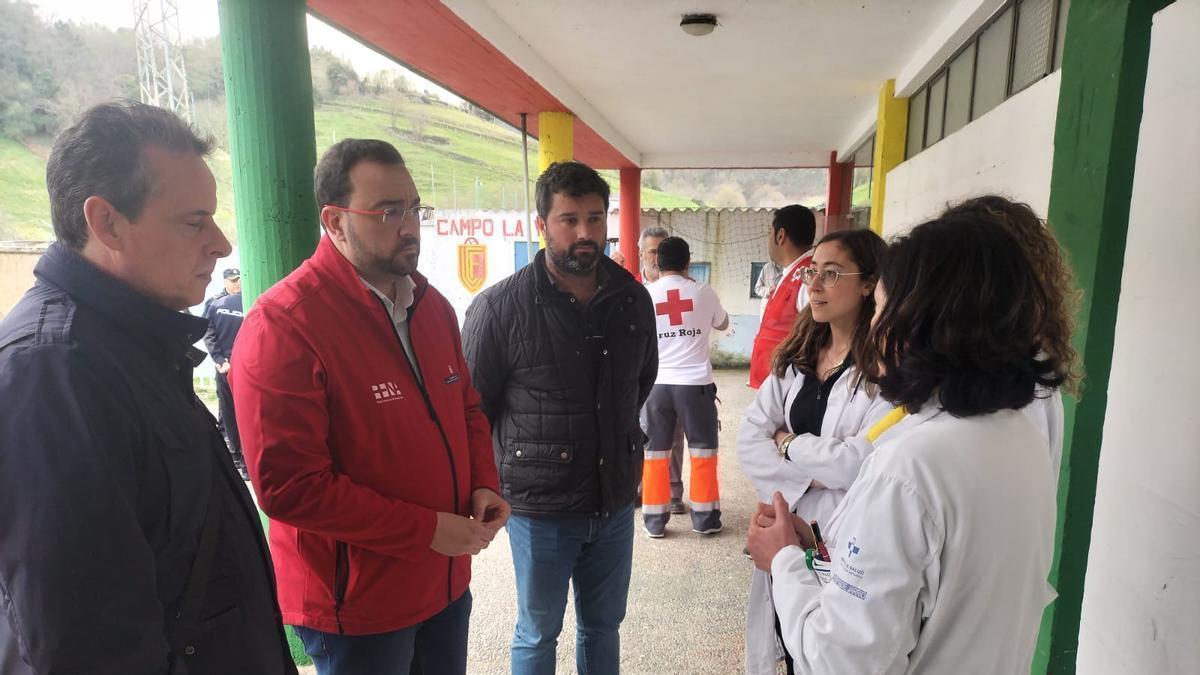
[(890, 130), (556, 138)]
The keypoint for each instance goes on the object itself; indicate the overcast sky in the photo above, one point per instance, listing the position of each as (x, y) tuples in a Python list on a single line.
[(198, 19)]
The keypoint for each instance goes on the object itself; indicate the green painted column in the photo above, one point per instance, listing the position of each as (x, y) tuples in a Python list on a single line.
[(1095, 146), (268, 91)]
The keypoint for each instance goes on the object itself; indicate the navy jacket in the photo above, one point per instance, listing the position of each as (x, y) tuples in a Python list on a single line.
[(106, 461), (224, 321)]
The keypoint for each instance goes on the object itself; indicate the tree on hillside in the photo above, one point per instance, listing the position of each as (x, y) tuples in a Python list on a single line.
[(385, 83), (341, 77), (101, 67), (331, 74), (206, 77), (419, 123), (768, 195), (728, 195), (26, 78)]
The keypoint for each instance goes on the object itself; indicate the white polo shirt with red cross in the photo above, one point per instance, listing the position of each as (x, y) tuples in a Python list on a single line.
[(687, 311)]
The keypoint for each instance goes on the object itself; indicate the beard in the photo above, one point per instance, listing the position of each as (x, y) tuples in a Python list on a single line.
[(651, 272), (396, 262), (579, 259)]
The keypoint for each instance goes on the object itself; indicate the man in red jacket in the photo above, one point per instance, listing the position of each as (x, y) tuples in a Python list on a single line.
[(363, 436), (790, 247)]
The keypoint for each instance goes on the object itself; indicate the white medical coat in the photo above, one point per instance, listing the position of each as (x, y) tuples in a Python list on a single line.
[(941, 550), (833, 458)]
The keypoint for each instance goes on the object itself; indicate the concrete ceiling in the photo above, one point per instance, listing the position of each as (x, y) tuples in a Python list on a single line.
[(780, 83)]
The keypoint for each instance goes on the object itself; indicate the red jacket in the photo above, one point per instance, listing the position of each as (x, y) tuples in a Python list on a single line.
[(350, 457), (777, 321)]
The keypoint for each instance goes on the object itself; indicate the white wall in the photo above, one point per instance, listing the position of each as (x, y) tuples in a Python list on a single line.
[(1141, 605), (1007, 151), (497, 231)]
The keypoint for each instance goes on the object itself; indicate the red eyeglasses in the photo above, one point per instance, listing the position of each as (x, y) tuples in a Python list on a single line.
[(422, 213)]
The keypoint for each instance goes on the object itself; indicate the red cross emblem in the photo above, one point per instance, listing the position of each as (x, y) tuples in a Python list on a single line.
[(674, 307)]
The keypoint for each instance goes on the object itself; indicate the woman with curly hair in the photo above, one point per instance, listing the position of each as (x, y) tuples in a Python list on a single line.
[(805, 433), (1053, 300), (941, 548)]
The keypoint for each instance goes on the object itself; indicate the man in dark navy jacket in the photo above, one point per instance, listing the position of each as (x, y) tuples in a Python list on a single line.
[(127, 542), (224, 321)]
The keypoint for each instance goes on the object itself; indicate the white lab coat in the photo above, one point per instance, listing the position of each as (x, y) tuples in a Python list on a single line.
[(833, 459), (941, 551), (1046, 412)]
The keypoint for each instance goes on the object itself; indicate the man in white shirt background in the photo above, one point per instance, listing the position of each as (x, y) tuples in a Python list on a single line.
[(684, 394), (648, 252)]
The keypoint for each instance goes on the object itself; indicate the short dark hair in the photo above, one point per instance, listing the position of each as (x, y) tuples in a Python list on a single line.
[(574, 179), (956, 324), (798, 222), (331, 178), (101, 155), (674, 254)]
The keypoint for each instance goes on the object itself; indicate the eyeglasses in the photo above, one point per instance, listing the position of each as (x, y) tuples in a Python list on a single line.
[(829, 278), (423, 213)]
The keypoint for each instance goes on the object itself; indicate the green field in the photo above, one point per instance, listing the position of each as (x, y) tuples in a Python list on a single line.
[(455, 158), (24, 205)]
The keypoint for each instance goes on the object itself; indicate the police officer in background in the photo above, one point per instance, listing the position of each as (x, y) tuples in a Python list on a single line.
[(233, 284), (224, 314)]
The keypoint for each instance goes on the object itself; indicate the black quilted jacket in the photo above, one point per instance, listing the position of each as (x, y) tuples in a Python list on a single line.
[(566, 434)]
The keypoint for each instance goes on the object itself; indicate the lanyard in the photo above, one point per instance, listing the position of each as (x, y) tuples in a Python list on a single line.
[(890, 420)]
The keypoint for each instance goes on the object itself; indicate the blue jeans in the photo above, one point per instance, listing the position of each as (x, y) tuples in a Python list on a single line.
[(436, 645), (597, 555)]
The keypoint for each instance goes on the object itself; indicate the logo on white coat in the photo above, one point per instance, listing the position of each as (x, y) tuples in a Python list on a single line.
[(386, 391)]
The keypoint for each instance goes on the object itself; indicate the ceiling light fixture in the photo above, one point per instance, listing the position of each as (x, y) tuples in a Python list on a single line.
[(698, 24)]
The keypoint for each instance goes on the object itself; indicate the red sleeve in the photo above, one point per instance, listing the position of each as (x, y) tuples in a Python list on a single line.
[(278, 384), (479, 432)]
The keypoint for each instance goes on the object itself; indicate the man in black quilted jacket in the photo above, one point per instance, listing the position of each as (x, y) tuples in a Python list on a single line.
[(563, 353)]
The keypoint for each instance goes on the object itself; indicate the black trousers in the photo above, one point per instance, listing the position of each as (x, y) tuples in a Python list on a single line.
[(228, 418)]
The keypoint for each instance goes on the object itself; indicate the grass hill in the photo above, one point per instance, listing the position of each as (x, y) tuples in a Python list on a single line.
[(452, 155)]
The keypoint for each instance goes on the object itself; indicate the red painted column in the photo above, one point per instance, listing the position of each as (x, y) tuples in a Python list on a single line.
[(631, 216), (837, 199)]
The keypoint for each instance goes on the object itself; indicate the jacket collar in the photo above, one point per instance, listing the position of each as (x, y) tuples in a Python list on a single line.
[(333, 266), (612, 277), (147, 322), (930, 410)]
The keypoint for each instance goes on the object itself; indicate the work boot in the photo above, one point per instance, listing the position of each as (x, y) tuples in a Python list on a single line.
[(655, 526), (707, 522), (678, 507)]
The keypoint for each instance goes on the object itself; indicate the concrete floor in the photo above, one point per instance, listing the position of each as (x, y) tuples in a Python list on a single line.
[(687, 599)]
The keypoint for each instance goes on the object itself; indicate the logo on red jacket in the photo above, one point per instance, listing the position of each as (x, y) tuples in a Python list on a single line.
[(386, 391)]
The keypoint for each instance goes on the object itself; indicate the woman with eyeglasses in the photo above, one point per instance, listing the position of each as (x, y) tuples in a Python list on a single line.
[(805, 433), (941, 548)]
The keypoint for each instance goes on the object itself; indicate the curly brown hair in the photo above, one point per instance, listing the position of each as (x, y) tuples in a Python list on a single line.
[(802, 347), (956, 322), (1055, 296)]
